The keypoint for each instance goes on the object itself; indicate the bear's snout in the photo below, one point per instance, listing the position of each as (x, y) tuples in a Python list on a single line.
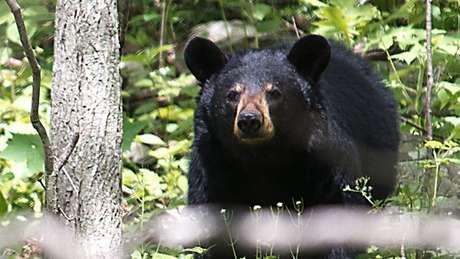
[(249, 122), (252, 123)]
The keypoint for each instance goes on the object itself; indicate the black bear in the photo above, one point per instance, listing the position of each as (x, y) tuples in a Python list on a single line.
[(291, 123)]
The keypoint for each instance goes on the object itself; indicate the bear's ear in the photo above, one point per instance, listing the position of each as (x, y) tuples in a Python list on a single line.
[(310, 55), (203, 58)]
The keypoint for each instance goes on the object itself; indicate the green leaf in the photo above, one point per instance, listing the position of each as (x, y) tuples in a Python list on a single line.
[(344, 20), (130, 129), (171, 127), (260, 11), (455, 121), (269, 25), (151, 16), (5, 54), (152, 182), (25, 149), (179, 147), (5, 14), (443, 97), (151, 139), (3, 205), (145, 108), (407, 56), (182, 183), (450, 44), (454, 160), (13, 35), (160, 153), (450, 87), (146, 56), (144, 83), (37, 13), (333, 20), (174, 113), (129, 178), (184, 164)]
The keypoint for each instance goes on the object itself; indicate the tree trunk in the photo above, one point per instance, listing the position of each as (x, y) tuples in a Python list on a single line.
[(84, 188)]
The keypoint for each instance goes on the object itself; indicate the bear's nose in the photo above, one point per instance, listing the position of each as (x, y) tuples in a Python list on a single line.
[(249, 122)]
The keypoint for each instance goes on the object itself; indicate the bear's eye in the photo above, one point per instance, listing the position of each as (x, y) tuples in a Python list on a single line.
[(233, 95), (275, 93)]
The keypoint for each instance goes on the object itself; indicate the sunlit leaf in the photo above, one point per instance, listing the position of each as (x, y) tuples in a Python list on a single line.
[(25, 149), (13, 35), (150, 139), (171, 127), (159, 153), (407, 56), (129, 178), (153, 183), (5, 54), (451, 87)]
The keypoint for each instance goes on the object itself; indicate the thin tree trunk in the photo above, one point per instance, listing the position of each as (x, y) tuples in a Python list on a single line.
[(162, 32), (85, 191), (429, 74)]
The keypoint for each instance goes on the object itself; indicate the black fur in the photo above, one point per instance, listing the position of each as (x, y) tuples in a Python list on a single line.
[(337, 122)]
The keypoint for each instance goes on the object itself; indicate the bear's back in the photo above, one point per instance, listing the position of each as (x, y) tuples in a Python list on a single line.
[(358, 101)]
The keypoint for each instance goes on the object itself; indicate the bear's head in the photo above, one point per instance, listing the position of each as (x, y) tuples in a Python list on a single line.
[(259, 96)]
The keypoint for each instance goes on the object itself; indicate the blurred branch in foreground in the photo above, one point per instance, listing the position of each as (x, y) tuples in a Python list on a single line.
[(316, 228)]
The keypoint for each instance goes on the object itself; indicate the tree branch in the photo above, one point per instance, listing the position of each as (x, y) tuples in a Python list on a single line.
[(413, 124), (162, 32), (36, 81), (407, 119), (297, 33)]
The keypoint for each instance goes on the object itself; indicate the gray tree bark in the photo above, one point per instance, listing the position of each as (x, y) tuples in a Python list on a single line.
[(84, 188)]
